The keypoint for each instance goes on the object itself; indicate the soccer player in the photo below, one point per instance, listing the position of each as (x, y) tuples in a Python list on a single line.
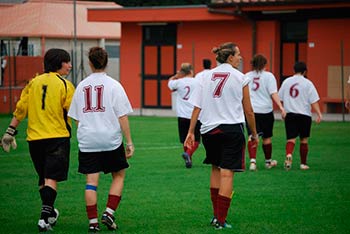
[(100, 107), (184, 84), (206, 68), (347, 102), (45, 102), (263, 89), (298, 95), (222, 99)]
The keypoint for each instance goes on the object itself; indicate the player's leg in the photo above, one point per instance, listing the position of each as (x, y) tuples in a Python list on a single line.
[(304, 149), (291, 127), (266, 124), (90, 166), (114, 162), (183, 126), (214, 191), (114, 197), (305, 129), (251, 148), (231, 160), (91, 200)]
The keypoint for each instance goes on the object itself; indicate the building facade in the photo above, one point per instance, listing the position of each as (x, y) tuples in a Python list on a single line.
[(156, 40)]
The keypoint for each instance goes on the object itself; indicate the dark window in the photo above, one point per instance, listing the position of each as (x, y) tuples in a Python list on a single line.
[(113, 51), (294, 31)]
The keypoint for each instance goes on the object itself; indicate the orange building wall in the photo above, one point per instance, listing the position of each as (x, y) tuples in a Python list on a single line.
[(326, 36), (198, 43), (130, 62), (268, 44)]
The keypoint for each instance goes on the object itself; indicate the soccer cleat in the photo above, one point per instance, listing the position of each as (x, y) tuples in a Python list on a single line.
[(43, 226), (219, 226), (252, 166), (214, 222), (271, 164), (93, 228), (53, 219), (288, 163), (187, 158), (108, 220), (304, 167)]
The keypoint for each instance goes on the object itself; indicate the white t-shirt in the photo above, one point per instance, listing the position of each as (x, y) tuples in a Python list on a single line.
[(202, 73), (98, 102), (184, 88), (261, 86), (219, 96), (297, 94)]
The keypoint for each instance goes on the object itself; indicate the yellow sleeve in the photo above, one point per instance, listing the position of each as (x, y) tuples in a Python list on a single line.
[(22, 105), (69, 96)]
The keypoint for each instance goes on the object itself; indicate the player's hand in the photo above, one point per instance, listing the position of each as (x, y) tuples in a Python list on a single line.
[(129, 150), (189, 142), (8, 139), (254, 140)]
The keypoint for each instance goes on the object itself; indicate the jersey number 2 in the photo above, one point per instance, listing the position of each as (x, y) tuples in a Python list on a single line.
[(88, 99)]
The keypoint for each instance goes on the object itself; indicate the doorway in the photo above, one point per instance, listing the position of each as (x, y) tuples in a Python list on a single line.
[(293, 46), (158, 64)]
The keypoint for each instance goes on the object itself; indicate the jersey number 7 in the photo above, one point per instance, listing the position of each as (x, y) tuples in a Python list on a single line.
[(222, 77)]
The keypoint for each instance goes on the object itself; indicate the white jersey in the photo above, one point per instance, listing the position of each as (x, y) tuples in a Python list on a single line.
[(219, 96), (297, 94), (184, 88), (202, 73), (261, 86), (98, 102)]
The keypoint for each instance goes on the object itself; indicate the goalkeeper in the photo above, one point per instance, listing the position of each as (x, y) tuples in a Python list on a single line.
[(45, 102)]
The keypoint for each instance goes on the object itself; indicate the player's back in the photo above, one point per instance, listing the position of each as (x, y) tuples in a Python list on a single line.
[(49, 96)]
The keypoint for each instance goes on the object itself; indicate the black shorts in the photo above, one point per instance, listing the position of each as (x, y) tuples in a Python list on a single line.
[(183, 126), (264, 124), (50, 158), (297, 125), (225, 147), (106, 161)]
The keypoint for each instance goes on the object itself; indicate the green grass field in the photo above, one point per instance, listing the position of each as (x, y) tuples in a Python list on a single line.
[(162, 196)]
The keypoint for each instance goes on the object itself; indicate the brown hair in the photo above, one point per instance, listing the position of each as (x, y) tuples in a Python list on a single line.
[(54, 58), (224, 51), (98, 57), (258, 62)]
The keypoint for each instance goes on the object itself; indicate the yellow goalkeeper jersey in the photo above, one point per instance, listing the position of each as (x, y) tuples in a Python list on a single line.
[(45, 101)]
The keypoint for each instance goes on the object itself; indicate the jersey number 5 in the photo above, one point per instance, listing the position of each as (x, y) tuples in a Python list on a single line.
[(220, 86), (88, 99)]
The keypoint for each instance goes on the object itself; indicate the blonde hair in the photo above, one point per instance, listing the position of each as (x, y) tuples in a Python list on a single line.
[(186, 68)]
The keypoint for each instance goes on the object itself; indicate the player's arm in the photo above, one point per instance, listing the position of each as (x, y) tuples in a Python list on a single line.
[(316, 107), (278, 102), (249, 113), (124, 124), (190, 139)]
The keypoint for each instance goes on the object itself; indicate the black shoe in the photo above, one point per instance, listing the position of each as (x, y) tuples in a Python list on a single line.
[(43, 226), (53, 218), (187, 158), (108, 220), (93, 228)]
